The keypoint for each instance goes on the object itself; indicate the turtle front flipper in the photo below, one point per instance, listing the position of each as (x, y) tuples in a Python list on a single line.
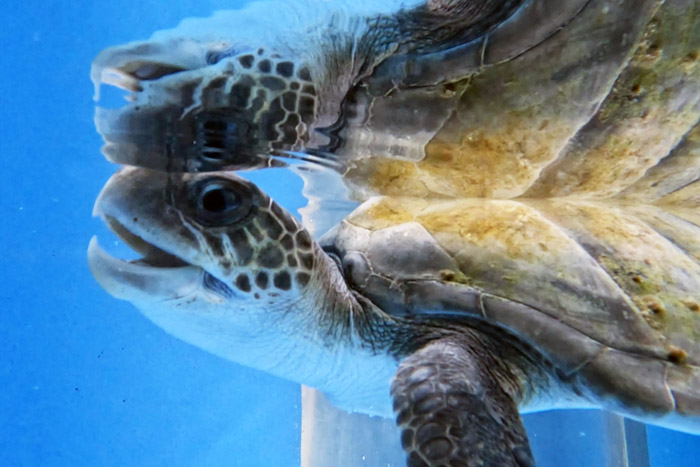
[(454, 407)]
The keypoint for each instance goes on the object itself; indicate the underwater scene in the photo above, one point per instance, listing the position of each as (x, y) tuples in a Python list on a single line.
[(350, 233)]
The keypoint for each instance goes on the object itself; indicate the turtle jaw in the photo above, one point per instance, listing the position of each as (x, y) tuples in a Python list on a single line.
[(128, 66), (137, 281), (133, 206), (155, 277)]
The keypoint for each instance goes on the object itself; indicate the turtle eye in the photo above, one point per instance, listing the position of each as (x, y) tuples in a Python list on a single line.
[(216, 200), (221, 202)]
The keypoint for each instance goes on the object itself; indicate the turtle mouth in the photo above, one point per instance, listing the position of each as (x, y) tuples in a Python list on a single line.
[(156, 276), (119, 79), (130, 67), (146, 97), (152, 255), (131, 75)]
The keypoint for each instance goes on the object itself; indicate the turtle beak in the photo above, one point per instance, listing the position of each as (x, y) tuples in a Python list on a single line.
[(140, 282), (158, 275), (153, 127), (128, 66)]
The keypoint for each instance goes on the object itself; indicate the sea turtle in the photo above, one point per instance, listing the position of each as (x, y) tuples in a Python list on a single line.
[(321, 81), (565, 98), (457, 313), (602, 109), (425, 97)]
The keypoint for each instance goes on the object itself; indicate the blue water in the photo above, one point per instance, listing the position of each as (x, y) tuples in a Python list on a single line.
[(87, 381)]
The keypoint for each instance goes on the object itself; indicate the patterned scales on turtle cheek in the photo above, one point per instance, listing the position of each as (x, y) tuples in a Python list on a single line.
[(277, 96), (277, 78), (273, 254)]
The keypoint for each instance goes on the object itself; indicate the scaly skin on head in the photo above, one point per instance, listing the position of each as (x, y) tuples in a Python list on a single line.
[(225, 109), (217, 93), (228, 270)]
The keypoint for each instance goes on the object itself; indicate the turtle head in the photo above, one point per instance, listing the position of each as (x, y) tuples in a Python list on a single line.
[(223, 267), (195, 105)]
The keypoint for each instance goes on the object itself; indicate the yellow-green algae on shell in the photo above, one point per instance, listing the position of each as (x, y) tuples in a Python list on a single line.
[(586, 113), (568, 181), (608, 292), (569, 257), (650, 108), (680, 169), (588, 148)]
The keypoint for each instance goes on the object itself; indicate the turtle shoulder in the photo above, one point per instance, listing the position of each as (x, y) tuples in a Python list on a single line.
[(593, 287), (226, 90), (379, 117), (587, 112)]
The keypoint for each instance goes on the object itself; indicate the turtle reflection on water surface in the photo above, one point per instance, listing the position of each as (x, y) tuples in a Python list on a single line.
[(449, 98), (456, 313), (322, 81)]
